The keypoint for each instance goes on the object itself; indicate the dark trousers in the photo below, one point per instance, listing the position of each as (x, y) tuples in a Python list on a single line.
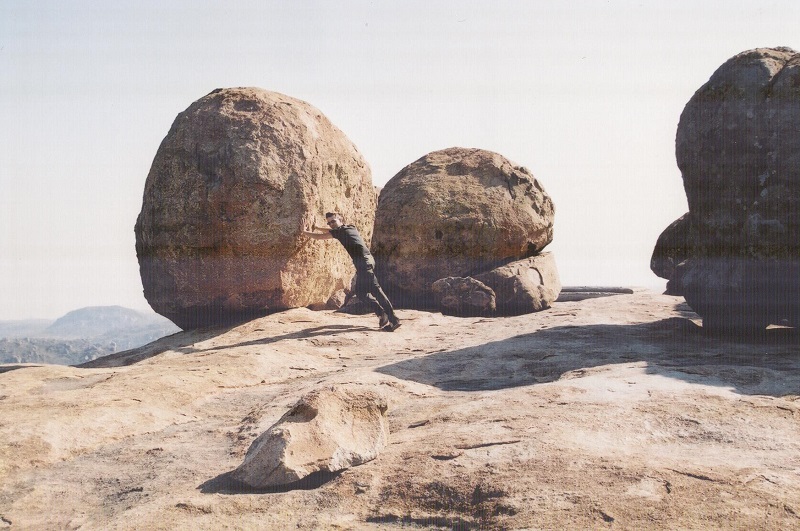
[(368, 290)]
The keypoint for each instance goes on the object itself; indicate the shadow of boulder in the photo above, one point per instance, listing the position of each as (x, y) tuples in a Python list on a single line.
[(226, 484), (674, 347)]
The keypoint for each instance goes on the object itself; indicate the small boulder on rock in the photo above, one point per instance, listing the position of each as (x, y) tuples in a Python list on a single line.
[(524, 286), (328, 430), (672, 248), (464, 297)]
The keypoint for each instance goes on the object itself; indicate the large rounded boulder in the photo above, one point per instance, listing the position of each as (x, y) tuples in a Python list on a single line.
[(239, 175), (456, 213), (738, 148)]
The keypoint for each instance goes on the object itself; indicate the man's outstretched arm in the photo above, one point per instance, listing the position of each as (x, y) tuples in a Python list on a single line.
[(324, 235)]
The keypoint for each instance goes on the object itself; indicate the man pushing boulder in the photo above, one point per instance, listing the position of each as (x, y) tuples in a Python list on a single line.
[(367, 288)]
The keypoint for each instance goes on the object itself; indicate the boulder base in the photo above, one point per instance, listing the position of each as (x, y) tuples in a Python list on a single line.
[(464, 297), (741, 296), (673, 247)]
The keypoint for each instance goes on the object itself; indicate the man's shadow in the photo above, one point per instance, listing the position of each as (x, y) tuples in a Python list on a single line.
[(325, 330), (184, 342)]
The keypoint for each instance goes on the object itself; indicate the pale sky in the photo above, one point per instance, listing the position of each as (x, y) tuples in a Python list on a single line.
[(585, 94)]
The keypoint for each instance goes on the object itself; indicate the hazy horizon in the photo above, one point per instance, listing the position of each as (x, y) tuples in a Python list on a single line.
[(585, 94)]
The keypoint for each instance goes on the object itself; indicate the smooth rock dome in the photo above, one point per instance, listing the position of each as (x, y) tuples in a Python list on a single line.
[(239, 175)]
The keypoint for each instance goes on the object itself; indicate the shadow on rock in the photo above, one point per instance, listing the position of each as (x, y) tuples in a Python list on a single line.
[(225, 484), (178, 342), (674, 348), (325, 330), (182, 342)]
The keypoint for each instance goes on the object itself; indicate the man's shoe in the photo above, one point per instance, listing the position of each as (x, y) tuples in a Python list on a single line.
[(393, 325), (383, 320)]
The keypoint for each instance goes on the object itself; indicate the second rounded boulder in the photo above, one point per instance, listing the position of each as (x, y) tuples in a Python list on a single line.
[(456, 213)]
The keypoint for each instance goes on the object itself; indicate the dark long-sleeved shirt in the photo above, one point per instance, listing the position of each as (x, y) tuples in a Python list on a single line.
[(349, 237)]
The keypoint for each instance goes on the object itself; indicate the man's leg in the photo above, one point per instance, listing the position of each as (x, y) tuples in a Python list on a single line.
[(381, 299), (363, 287)]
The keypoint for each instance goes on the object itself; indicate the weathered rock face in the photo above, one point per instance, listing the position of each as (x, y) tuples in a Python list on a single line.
[(236, 179), (326, 431), (525, 286), (738, 147), (455, 213), (464, 297)]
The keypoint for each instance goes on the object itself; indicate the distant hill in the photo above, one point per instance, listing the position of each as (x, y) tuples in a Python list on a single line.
[(80, 335), (97, 321)]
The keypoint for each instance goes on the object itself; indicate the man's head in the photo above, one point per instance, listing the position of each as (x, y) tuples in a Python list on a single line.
[(333, 219)]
